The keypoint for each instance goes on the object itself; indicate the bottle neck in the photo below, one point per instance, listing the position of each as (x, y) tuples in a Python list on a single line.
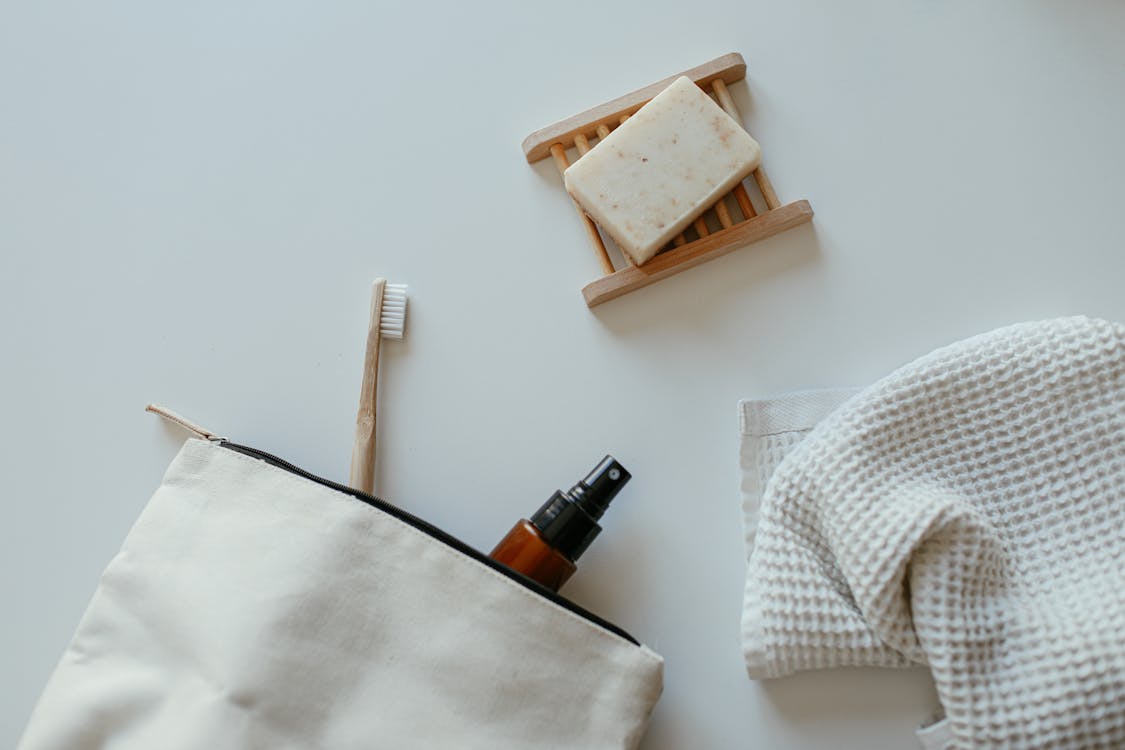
[(565, 525)]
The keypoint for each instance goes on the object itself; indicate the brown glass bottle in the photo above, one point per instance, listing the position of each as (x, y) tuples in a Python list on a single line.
[(546, 548), (523, 549)]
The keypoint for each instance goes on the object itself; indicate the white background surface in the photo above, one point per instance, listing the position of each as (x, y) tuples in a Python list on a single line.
[(195, 197)]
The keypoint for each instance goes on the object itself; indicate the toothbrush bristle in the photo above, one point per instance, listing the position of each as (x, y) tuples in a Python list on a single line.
[(392, 320)]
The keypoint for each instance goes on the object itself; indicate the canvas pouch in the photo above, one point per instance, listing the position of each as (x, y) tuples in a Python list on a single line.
[(255, 606)]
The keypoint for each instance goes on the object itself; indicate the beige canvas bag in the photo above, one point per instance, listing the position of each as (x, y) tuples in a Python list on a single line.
[(255, 606)]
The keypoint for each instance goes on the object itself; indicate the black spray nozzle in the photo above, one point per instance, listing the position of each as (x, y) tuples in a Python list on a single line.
[(568, 520), (597, 490)]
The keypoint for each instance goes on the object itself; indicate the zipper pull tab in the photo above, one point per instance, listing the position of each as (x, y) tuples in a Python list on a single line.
[(187, 424)]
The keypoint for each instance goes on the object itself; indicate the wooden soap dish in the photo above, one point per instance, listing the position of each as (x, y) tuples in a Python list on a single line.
[(718, 231)]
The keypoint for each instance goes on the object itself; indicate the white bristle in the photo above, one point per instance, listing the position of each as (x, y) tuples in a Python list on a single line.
[(392, 319)]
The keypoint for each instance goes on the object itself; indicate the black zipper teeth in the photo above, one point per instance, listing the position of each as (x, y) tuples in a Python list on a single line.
[(433, 531)]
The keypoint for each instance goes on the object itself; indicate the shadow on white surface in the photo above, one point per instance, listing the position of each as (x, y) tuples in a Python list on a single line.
[(854, 694), (726, 281), (842, 709)]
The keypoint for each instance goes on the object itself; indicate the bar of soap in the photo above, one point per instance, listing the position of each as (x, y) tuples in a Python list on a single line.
[(667, 164)]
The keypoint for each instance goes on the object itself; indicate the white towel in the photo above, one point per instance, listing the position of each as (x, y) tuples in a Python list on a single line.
[(965, 512)]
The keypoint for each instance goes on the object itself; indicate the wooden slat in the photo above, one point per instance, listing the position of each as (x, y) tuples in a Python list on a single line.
[(702, 250), (701, 227), (760, 176), (744, 203), (620, 121), (592, 232), (580, 142), (723, 214), (728, 69), (766, 187), (726, 101), (722, 93)]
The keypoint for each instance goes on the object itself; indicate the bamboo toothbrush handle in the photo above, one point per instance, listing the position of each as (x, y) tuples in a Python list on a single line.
[(362, 475)]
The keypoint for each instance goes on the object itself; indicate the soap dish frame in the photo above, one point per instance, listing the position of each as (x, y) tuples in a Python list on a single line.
[(717, 232)]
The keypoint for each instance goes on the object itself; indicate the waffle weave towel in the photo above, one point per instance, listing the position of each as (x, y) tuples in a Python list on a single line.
[(966, 512)]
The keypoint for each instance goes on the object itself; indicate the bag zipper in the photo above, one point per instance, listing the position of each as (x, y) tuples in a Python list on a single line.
[(423, 526)]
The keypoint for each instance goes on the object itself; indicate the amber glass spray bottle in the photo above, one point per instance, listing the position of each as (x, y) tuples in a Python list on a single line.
[(546, 547)]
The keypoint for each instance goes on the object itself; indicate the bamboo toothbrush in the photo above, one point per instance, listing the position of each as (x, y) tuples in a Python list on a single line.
[(388, 320)]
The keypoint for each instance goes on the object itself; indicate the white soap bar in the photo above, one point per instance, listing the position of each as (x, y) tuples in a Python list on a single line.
[(666, 165)]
